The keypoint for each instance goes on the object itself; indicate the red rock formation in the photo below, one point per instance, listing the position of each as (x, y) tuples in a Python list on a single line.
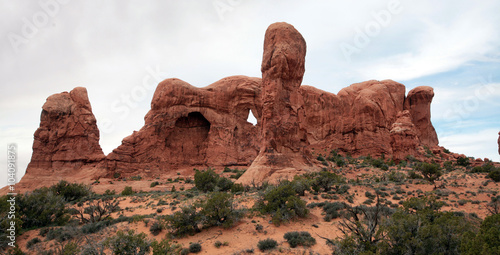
[(207, 127), (193, 127), (68, 137), (283, 141), (418, 102)]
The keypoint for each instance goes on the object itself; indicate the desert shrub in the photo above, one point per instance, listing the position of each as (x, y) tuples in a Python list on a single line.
[(237, 187), (195, 247), (430, 171), (333, 210), (71, 191), (361, 228), (32, 242), (494, 175), (95, 227), (448, 166), (302, 238), (325, 180), (342, 189), (165, 247), (41, 208), (219, 244), (96, 210), (224, 184), (205, 181), (154, 184), (155, 228), (267, 244), (395, 176), (127, 191), (128, 243), (370, 195), (420, 228), (486, 241), (218, 210), (301, 184), (282, 203), (184, 222), (70, 248), (414, 175), (463, 161)]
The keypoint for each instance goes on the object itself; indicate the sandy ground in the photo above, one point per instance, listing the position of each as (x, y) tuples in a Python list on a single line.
[(473, 190)]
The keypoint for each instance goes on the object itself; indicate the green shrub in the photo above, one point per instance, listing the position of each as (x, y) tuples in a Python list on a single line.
[(127, 191), (129, 243), (71, 191), (62, 234), (333, 210), (325, 180), (219, 244), (224, 184), (282, 203), (267, 244), (95, 227), (205, 181), (184, 222), (195, 247), (463, 161), (155, 228), (302, 238), (494, 175), (431, 172), (32, 242), (70, 248), (154, 184), (165, 247), (218, 210), (41, 208), (237, 187), (486, 241)]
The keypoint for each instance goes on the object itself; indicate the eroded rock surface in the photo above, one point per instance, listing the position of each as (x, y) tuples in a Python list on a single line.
[(195, 127), (68, 137), (190, 127)]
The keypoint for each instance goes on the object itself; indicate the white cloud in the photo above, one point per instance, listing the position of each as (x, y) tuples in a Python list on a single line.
[(442, 41), (480, 144)]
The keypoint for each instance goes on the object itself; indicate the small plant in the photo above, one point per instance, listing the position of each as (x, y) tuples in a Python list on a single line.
[(195, 247), (127, 191), (154, 184), (205, 181), (155, 228), (494, 175), (165, 247), (267, 244), (463, 161), (128, 243), (219, 244), (32, 242), (431, 172), (299, 238)]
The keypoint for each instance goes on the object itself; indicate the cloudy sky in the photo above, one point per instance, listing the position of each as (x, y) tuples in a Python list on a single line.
[(120, 50)]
